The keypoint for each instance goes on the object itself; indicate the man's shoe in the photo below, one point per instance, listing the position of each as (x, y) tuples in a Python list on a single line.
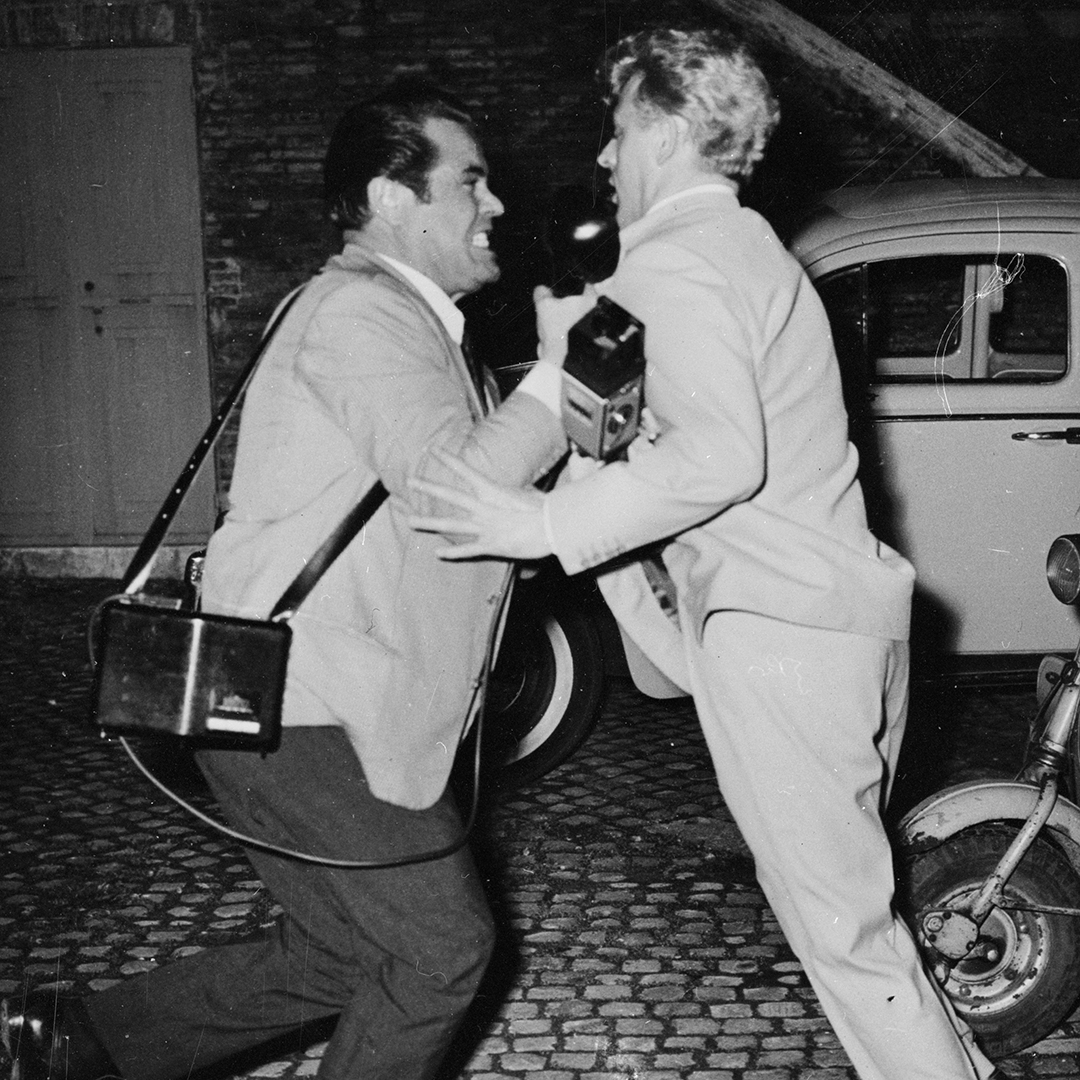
[(48, 1036)]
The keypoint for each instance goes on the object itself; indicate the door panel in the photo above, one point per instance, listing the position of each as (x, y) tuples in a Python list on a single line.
[(976, 512), (144, 373), (132, 198), (103, 165), (35, 437), (36, 448)]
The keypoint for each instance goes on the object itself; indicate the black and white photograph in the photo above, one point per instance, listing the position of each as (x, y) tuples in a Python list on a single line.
[(540, 539)]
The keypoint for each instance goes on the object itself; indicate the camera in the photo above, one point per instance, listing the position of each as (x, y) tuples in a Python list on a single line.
[(604, 373), (603, 380)]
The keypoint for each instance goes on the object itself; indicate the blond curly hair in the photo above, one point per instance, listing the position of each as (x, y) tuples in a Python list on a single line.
[(709, 78)]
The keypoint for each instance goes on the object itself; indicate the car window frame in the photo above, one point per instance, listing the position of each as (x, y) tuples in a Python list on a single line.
[(967, 396)]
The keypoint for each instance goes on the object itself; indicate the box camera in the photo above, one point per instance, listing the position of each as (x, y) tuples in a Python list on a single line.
[(212, 678), (603, 380)]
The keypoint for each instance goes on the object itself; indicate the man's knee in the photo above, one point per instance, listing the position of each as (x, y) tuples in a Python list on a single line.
[(448, 956), (476, 945)]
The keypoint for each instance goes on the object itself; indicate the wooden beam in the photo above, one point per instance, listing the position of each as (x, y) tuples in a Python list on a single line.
[(770, 24)]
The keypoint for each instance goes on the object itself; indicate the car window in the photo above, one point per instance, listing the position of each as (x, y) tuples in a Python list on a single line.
[(1028, 325), (947, 317), (916, 307)]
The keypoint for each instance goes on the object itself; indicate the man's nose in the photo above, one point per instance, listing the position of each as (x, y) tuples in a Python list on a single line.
[(493, 205), (606, 158)]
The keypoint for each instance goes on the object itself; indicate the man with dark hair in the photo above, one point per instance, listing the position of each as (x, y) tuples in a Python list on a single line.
[(365, 381), (792, 618), (386, 137)]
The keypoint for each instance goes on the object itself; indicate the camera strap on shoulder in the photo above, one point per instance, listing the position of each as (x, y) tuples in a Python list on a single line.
[(143, 560)]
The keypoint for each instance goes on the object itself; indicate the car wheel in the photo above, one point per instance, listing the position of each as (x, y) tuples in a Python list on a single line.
[(546, 690), (1022, 978)]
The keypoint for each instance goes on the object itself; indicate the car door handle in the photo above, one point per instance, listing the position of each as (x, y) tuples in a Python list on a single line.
[(1069, 435)]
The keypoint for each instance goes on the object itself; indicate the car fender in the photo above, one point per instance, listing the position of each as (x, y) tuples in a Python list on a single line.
[(948, 812)]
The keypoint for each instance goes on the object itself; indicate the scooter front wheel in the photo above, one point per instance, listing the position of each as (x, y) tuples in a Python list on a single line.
[(1023, 976)]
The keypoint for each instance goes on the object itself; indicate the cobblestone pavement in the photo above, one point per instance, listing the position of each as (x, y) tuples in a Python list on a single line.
[(635, 942)]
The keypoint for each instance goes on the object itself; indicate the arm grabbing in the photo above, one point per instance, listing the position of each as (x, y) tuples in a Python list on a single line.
[(492, 520)]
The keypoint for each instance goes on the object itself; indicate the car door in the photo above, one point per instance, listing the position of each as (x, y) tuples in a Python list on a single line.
[(958, 353)]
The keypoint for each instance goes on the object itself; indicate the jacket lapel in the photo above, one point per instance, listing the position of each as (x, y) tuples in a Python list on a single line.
[(362, 259)]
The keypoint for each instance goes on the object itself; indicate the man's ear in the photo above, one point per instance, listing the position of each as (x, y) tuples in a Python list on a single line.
[(387, 197), (672, 135)]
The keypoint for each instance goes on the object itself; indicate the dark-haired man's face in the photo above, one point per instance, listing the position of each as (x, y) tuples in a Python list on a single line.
[(447, 234)]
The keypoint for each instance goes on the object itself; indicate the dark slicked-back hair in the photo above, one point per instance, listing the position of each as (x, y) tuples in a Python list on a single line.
[(708, 77), (384, 136)]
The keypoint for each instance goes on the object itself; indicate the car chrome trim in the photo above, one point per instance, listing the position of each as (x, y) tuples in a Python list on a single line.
[(922, 418)]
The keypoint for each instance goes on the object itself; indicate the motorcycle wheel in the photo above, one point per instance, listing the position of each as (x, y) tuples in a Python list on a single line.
[(546, 690), (1018, 994)]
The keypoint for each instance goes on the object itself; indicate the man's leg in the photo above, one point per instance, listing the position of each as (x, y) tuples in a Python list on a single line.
[(796, 723), (397, 953)]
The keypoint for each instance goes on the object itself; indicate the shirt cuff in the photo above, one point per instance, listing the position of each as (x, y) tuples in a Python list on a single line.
[(544, 382)]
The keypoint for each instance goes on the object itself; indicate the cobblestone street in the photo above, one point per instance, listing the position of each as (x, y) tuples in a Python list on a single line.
[(635, 942)]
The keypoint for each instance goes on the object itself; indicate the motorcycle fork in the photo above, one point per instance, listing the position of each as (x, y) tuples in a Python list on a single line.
[(954, 932), (1047, 754)]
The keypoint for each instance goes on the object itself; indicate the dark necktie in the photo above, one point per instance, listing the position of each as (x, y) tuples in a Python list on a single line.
[(476, 370)]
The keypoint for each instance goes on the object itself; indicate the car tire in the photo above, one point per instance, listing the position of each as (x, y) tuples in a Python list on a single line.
[(1019, 993), (546, 690)]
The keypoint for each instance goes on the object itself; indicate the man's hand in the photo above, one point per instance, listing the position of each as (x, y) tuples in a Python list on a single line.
[(504, 522), (555, 316)]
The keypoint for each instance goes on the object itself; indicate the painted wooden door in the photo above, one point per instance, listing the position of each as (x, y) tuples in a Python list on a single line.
[(104, 381)]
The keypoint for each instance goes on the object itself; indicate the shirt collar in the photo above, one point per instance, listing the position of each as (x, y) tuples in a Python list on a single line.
[(698, 189), (449, 314), (631, 234)]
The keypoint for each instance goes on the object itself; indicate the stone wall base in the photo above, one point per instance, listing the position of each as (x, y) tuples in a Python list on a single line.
[(88, 562)]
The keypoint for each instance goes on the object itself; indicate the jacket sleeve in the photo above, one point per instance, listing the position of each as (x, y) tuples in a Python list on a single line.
[(701, 386)]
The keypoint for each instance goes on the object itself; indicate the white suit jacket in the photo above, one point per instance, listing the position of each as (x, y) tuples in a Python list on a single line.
[(751, 480)]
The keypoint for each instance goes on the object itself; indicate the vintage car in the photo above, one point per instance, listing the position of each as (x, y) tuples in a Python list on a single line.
[(954, 311), (954, 307)]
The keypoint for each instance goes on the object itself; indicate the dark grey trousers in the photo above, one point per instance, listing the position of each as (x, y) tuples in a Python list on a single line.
[(395, 954)]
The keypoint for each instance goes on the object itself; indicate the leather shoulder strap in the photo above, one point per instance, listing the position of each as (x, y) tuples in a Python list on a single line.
[(143, 560), (330, 549)]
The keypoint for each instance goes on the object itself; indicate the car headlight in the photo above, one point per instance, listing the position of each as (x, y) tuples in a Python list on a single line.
[(1063, 568)]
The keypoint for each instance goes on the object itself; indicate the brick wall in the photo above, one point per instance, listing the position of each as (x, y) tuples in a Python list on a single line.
[(271, 77), (1008, 67)]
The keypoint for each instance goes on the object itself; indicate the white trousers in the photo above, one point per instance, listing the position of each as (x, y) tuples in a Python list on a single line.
[(804, 728)]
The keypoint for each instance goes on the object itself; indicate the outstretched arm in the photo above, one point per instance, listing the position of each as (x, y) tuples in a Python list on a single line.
[(492, 519)]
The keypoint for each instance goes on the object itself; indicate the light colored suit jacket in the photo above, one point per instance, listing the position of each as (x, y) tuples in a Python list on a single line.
[(361, 383), (752, 478)]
